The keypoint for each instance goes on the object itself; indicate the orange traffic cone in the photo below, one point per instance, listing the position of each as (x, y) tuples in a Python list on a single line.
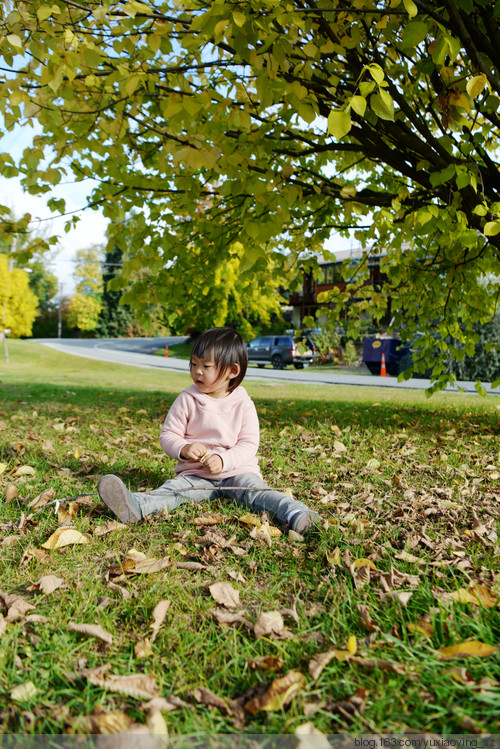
[(383, 370), (166, 351)]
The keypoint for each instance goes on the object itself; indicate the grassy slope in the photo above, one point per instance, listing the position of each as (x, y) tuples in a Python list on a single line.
[(430, 490)]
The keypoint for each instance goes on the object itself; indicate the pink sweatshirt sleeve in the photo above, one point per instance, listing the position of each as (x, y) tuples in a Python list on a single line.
[(244, 451), (173, 433)]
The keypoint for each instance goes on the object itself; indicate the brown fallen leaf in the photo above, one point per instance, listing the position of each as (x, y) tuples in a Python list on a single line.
[(319, 662), (422, 626), (266, 663), (378, 664), (38, 554), (109, 527), (16, 606), (159, 614), (10, 540), (280, 693), (143, 649), (468, 649), (142, 686), (479, 595), (225, 594), (226, 618), (207, 519), (11, 491), (364, 613), (167, 704), (230, 707), (150, 566), (192, 566), (65, 537), (3, 624), (68, 513), (94, 630), (24, 471), (47, 584), (269, 623), (44, 498)]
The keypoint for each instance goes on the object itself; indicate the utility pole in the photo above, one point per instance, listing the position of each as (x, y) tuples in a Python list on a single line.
[(59, 316)]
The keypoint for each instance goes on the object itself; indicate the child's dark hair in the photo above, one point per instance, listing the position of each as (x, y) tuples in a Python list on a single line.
[(226, 347)]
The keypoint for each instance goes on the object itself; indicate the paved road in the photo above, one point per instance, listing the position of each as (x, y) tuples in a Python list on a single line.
[(137, 352)]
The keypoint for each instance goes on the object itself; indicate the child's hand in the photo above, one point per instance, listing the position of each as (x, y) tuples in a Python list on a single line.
[(193, 451), (213, 462)]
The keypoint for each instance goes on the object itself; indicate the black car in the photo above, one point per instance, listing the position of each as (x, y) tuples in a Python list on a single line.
[(280, 350)]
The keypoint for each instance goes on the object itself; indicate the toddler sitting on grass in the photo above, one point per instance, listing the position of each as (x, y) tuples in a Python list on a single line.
[(212, 429)]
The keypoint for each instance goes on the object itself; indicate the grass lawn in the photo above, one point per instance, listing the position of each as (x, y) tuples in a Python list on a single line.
[(386, 619)]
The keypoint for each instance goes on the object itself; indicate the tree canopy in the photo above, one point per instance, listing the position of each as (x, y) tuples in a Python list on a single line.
[(86, 303), (286, 122), (18, 303)]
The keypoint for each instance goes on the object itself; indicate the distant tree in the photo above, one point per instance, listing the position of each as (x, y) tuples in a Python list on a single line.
[(115, 319), (18, 304), (86, 304)]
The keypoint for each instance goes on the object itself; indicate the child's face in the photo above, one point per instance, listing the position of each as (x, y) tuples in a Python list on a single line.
[(208, 379)]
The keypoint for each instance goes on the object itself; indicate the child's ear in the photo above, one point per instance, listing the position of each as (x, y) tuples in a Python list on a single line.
[(235, 370)]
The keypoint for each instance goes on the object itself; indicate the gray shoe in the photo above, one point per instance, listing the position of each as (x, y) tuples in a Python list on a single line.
[(305, 521), (120, 501)]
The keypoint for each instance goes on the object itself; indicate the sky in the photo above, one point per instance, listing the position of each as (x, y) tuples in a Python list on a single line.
[(90, 229)]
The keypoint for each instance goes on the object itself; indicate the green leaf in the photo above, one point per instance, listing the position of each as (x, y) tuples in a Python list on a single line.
[(358, 103), (382, 105), (339, 124), (491, 228), (414, 33), (410, 7)]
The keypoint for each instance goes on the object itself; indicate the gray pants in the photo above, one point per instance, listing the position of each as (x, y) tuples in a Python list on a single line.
[(175, 492)]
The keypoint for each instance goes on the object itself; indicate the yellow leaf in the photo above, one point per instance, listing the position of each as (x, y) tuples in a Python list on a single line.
[(65, 537), (410, 8), (180, 548), (352, 645), (279, 694), (476, 85), (3, 466), (425, 628), (249, 519), (25, 471), (23, 692), (469, 649), (333, 557), (339, 124), (364, 563)]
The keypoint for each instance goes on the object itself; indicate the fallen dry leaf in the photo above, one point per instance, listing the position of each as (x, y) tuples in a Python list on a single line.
[(479, 595), (133, 685), (225, 594), (10, 540), (422, 626), (378, 664), (47, 584), (94, 630), (193, 566), (44, 498), (38, 554), (468, 649), (279, 694), (309, 729), (230, 707), (24, 471), (11, 491), (358, 563), (269, 623), (159, 614), (65, 537), (225, 617), (16, 606), (208, 519), (143, 649), (319, 662), (23, 692), (109, 527), (266, 663)]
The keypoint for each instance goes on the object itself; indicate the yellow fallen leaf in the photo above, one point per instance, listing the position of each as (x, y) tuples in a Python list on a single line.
[(339, 447), (24, 471), (352, 645), (180, 548), (159, 614), (425, 628), (65, 537), (279, 694), (143, 649), (250, 519), (364, 563), (463, 596), (3, 467), (156, 723), (468, 649), (23, 692), (485, 596), (333, 557)]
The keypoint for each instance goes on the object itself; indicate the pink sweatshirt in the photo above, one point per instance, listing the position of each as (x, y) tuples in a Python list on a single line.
[(228, 427)]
